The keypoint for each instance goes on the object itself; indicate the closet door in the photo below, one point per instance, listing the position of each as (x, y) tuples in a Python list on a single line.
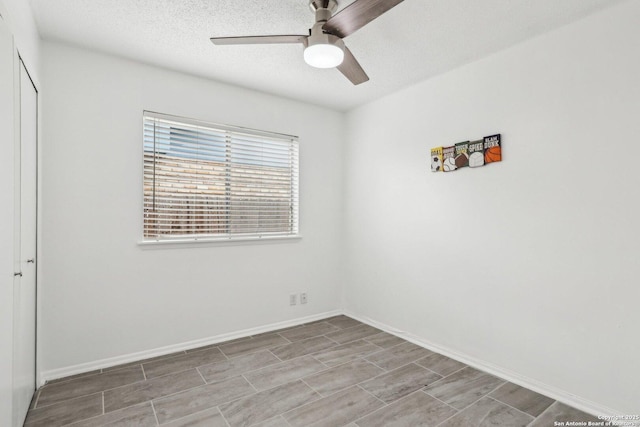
[(24, 296), (6, 222)]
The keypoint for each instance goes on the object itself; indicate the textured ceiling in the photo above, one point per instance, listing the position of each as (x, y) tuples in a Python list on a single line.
[(415, 40)]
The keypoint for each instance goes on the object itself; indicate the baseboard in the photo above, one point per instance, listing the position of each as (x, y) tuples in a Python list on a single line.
[(161, 351), (532, 384)]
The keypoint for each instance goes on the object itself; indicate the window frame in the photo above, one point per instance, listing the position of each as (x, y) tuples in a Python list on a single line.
[(225, 238)]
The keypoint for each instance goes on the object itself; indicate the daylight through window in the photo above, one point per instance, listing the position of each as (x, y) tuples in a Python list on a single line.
[(210, 181)]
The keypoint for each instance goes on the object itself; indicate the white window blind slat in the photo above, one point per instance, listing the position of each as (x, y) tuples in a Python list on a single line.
[(205, 180)]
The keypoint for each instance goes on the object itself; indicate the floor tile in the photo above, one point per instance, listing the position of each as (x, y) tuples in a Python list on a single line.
[(559, 413), (238, 365), (139, 415), (343, 376), (205, 347), (140, 362), (198, 399), (302, 348), (267, 404), (400, 382), (488, 412), (284, 372), (345, 352), (415, 410), (440, 364), (353, 333), (523, 399), (208, 418), (399, 355), (83, 386), (336, 410), (182, 363), (309, 331), (289, 328), (325, 319), (143, 391), (385, 340), (273, 422), (343, 322), (252, 345), (75, 377), (67, 412), (464, 387)]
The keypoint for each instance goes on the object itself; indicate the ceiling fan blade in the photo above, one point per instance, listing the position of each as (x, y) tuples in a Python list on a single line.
[(351, 68), (259, 40), (357, 15)]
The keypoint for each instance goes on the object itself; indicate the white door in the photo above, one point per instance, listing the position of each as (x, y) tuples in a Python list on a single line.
[(24, 297), (7, 228)]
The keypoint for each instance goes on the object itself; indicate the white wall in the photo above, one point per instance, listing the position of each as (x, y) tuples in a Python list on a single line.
[(104, 296), (531, 264)]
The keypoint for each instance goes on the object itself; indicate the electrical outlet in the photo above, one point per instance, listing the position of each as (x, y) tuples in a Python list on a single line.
[(303, 298), (293, 299)]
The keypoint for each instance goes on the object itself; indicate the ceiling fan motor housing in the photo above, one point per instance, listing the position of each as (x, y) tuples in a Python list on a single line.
[(330, 5), (323, 9)]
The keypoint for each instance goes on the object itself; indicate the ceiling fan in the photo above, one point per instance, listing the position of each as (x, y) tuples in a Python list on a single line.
[(324, 47)]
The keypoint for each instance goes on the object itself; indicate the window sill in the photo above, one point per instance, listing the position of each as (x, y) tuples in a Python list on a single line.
[(214, 241)]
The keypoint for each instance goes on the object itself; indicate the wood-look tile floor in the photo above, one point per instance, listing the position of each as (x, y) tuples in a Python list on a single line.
[(334, 372)]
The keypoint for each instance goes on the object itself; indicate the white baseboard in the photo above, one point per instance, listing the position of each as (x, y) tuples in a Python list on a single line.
[(161, 351), (563, 396)]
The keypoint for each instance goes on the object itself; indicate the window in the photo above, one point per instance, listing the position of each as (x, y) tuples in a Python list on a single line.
[(204, 181)]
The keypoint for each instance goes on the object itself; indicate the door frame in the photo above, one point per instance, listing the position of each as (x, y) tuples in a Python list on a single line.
[(37, 200)]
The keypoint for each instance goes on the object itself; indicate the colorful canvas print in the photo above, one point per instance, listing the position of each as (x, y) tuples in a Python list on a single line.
[(449, 159), (462, 154), (436, 159), (476, 153), (467, 154), (492, 149)]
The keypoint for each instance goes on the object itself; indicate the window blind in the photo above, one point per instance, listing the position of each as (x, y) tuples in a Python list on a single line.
[(204, 181)]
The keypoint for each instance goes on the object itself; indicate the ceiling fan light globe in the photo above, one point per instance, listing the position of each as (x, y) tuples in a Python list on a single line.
[(323, 55)]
